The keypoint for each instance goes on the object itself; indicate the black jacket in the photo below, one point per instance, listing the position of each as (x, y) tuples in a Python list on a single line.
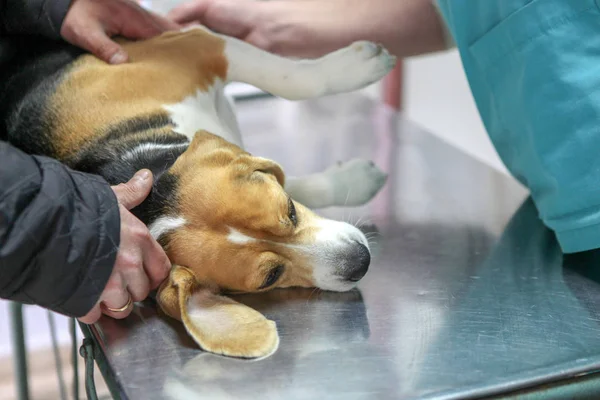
[(59, 229)]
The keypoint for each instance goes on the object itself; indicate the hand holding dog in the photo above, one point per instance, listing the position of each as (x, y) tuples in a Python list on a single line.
[(301, 29), (141, 263), (90, 24), (313, 28)]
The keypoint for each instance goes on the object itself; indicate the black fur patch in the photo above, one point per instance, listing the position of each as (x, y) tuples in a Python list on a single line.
[(27, 82), (161, 201), (115, 158), (111, 155), (137, 125)]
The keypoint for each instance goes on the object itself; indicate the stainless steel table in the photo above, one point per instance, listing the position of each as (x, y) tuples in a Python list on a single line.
[(468, 295)]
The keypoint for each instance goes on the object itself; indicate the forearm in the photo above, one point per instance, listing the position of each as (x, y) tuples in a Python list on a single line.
[(59, 233), (404, 27)]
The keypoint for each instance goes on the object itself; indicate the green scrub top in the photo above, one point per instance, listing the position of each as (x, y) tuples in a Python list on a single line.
[(534, 70)]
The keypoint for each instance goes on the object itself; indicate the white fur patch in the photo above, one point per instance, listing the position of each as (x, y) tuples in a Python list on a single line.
[(335, 232), (209, 111), (165, 224), (238, 237), (332, 235), (147, 147), (344, 70)]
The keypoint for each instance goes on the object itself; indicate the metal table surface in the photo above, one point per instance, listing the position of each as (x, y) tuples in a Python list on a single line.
[(468, 294)]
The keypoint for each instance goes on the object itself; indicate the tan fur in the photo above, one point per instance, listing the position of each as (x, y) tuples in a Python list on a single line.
[(218, 324), (220, 187), (163, 70), (213, 173)]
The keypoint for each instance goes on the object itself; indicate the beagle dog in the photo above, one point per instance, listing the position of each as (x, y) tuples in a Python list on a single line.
[(229, 221)]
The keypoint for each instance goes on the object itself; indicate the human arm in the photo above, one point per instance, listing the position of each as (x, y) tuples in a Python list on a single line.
[(59, 233), (68, 242), (311, 28)]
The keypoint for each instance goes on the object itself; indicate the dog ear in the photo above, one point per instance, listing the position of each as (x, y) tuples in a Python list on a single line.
[(249, 165), (218, 324)]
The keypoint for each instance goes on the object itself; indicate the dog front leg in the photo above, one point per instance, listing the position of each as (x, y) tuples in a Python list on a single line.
[(350, 68)]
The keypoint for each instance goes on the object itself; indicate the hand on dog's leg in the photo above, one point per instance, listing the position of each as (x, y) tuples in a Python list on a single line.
[(352, 183), (345, 70)]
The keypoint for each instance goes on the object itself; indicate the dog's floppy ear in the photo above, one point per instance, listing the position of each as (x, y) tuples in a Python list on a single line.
[(217, 323), (267, 166), (247, 166)]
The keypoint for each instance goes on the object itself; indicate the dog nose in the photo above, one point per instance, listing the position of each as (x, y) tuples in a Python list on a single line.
[(360, 260)]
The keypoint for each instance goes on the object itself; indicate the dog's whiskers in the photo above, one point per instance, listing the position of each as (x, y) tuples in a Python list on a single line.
[(347, 197), (313, 292), (358, 222)]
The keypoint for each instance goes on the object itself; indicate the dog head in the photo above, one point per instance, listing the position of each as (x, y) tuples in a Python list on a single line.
[(239, 231)]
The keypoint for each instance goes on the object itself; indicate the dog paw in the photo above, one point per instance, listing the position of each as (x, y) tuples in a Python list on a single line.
[(355, 182), (357, 66)]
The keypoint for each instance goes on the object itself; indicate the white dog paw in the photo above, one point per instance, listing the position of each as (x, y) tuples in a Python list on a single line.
[(357, 66), (355, 182)]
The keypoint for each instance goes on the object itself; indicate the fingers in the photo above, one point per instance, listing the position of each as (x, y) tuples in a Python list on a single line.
[(116, 296), (94, 39), (141, 265), (89, 24), (156, 263), (92, 316), (165, 23), (188, 12), (139, 251), (143, 25), (98, 43), (237, 18), (135, 280), (133, 193)]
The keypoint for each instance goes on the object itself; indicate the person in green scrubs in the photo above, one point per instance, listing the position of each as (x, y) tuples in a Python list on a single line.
[(533, 67)]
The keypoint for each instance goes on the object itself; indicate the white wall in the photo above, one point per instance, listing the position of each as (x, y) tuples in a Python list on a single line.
[(437, 97)]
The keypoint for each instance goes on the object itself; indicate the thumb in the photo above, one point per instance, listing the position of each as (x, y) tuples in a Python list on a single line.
[(132, 193), (103, 47)]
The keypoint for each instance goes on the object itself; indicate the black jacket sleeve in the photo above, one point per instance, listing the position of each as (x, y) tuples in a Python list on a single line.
[(33, 17), (59, 233)]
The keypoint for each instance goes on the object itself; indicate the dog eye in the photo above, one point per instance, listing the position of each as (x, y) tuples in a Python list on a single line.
[(292, 212), (272, 277)]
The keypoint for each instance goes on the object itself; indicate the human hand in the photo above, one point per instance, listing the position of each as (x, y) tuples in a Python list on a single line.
[(90, 24), (235, 18), (309, 28), (141, 264)]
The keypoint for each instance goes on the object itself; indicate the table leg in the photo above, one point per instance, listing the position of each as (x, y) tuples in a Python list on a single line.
[(392, 88), (74, 357), (19, 350)]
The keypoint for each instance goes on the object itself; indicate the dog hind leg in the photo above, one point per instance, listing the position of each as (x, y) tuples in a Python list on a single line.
[(350, 68)]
